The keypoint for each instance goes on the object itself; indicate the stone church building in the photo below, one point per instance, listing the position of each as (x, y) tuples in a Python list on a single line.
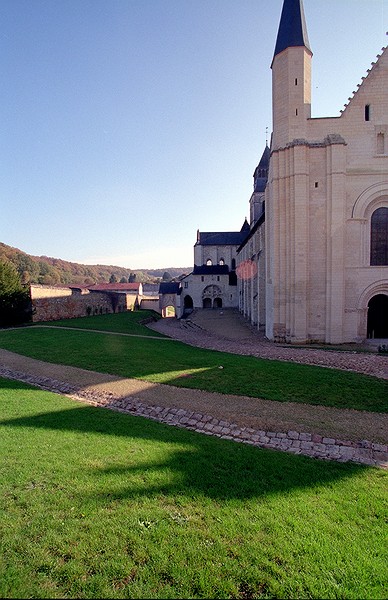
[(313, 263)]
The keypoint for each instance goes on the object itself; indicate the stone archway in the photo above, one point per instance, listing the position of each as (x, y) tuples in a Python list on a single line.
[(377, 326), (168, 312), (210, 295)]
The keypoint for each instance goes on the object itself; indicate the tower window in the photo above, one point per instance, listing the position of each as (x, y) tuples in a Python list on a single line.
[(209, 262), (316, 184), (296, 81), (367, 112), (296, 112)]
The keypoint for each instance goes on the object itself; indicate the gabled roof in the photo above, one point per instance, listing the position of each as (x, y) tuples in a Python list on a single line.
[(292, 28), (222, 238)]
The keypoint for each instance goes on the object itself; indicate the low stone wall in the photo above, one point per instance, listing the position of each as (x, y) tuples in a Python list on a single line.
[(51, 304), (312, 445)]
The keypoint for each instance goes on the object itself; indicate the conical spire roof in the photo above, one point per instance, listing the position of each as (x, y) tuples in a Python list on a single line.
[(260, 175), (292, 28)]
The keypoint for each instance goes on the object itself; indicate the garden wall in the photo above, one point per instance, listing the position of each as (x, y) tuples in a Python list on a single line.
[(50, 303)]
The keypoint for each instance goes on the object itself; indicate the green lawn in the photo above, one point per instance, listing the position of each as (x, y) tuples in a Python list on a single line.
[(126, 322), (170, 362), (97, 504)]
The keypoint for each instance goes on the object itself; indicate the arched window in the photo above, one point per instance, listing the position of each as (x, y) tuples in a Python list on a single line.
[(209, 262), (221, 262), (233, 264), (379, 237)]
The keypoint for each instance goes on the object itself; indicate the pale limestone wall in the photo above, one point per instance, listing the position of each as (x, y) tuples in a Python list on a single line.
[(131, 301), (166, 300), (323, 188), (251, 278), (215, 254), (46, 291), (291, 95), (150, 304)]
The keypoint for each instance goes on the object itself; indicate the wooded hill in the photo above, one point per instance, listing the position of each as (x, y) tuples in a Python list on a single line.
[(55, 271)]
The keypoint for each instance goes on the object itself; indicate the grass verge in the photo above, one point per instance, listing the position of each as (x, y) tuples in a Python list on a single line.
[(97, 504)]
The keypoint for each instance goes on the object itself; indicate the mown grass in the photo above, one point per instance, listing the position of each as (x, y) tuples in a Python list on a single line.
[(170, 362), (126, 322), (97, 504)]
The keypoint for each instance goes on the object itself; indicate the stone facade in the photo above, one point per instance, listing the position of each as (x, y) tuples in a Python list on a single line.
[(327, 178), (209, 288), (213, 281)]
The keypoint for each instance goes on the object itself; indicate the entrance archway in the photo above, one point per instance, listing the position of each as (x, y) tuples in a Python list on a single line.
[(378, 317), (168, 312), (217, 303), (188, 302), (207, 303)]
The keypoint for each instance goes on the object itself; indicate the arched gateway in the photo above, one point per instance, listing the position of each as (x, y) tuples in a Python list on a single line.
[(378, 316), (212, 297)]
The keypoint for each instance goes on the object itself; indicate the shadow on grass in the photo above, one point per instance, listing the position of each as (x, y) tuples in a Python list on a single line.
[(198, 465), (177, 364)]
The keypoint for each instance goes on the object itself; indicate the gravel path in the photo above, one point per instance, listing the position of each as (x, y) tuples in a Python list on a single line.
[(228, 332)]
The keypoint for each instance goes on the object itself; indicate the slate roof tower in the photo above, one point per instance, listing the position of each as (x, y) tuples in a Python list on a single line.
[(291, 76)]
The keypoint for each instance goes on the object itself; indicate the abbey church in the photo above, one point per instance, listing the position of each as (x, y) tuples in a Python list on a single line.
[(312, 263)]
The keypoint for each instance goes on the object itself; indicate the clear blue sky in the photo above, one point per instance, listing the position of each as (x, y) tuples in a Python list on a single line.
[(126, 125)]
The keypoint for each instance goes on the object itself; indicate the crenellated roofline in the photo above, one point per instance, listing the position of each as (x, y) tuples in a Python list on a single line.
[(364, 79)]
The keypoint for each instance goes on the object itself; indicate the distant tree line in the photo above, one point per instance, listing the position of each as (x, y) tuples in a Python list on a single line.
[(54, 271)]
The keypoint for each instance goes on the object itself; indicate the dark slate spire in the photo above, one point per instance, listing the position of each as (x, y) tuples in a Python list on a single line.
[(245, 227), (260, 175), (292, 28)]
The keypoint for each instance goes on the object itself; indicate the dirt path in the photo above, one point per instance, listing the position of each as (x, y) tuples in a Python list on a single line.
[(255, 413), (317, 431)]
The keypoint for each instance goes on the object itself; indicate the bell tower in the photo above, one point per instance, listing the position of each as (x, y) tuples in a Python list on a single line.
[(291, 76)]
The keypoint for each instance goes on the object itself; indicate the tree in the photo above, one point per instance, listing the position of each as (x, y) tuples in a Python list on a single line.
[(15, 303), (166, 276), (113, 278), (123, 280), (132, 278)]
